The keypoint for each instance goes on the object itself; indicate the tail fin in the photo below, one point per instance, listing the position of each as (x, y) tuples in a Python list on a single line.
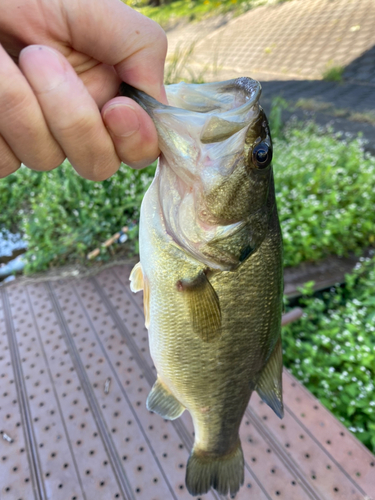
[(224, 473)]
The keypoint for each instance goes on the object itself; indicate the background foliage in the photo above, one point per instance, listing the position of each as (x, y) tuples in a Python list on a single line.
[(325, 192), (63, 216), (167, 12), (331, 349)]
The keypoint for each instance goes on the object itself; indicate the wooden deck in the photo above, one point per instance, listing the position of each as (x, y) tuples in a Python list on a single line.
[(75, 372)]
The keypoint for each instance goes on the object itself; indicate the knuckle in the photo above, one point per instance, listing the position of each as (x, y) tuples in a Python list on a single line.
[(44, 164), (101, 170), (76, 127), (8, 167), (9, 163), (159, 39)]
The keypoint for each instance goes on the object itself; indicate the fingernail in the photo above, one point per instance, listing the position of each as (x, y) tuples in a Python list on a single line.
[(43, 67), (121, 120)]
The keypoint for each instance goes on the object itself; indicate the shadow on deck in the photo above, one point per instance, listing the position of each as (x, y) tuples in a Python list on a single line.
[(75, 373)]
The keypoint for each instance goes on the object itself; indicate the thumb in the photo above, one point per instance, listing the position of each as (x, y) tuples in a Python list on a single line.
[(115, 34)]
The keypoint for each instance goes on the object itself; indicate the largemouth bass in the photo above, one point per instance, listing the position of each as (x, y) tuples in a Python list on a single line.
[(211, 270)]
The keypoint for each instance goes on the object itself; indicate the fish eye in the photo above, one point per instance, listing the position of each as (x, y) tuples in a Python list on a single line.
[(262, 155)]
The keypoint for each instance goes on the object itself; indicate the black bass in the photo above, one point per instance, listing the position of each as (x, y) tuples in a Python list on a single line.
[(211, 270)]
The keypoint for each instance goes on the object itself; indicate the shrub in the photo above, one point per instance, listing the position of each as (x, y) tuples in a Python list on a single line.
[(64, 216), (194, 10), (325, 194), (331, 350)]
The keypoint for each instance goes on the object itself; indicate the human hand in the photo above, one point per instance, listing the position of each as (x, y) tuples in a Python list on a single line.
[(61, 62)]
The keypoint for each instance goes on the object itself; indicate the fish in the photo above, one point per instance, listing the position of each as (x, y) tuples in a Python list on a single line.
[(211, 269)]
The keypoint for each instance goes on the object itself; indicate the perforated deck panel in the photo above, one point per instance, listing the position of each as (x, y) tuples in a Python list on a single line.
[(75, 372)]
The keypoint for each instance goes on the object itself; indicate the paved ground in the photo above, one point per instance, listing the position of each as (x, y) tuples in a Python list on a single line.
[(289, 47), (75, 372), (299, 39)]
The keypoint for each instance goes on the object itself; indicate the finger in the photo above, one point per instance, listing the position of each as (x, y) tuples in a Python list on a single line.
[(22, 124), (9, 163), (71, 113), (132, 131), (102, 83), (115, 34)]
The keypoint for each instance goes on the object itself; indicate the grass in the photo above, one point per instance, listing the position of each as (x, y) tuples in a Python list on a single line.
[(366, 117), (180, 66), (62, 216), (313, 105), (333, 73), (171, 12)]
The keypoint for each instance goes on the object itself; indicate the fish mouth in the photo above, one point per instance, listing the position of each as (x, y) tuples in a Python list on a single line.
[(202, 136), (215, 110)]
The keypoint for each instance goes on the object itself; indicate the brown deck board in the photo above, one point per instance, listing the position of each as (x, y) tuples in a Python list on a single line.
[(75, 371)]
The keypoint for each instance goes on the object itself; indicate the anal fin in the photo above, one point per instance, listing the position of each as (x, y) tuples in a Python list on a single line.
[(269, 386), (162, 402)]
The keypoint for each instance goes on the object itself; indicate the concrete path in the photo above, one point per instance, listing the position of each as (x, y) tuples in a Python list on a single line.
[(299, 39), (289, 47)]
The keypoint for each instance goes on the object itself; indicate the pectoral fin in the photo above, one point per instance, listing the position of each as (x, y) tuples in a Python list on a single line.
[(139, 282), (136, 278), (204, 306), (269, 386), (162, 402)]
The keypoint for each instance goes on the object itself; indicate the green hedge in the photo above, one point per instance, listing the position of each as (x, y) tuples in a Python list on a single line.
[(64, 216), (331, 350), (325, 192), (192, 10)]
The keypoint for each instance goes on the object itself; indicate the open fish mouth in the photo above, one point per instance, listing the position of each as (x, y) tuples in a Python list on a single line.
[(210, 112), (205, 136)]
